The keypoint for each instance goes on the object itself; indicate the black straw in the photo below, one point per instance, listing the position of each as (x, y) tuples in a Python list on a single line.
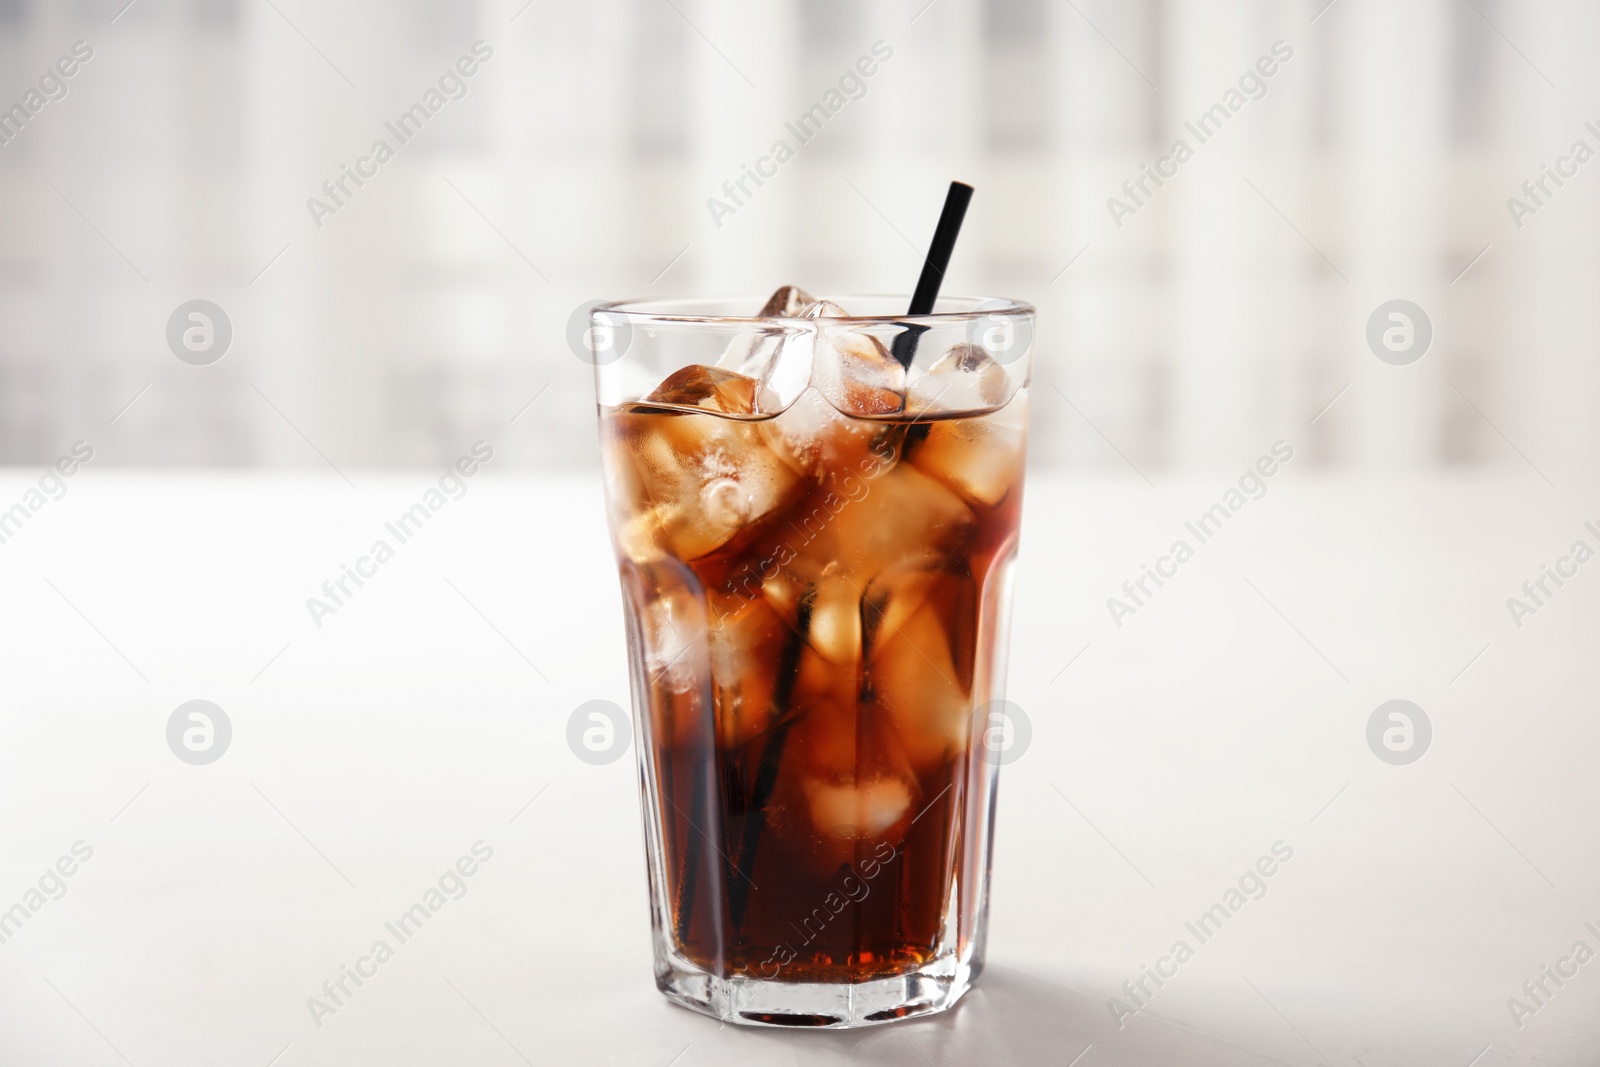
[(933, 268), (755, 819), (944, 243)]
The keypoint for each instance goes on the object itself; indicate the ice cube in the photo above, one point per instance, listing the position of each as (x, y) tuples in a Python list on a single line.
[(787, 301), (702, 479), (640, 535), (817, 440), (673, 626), (835, 625), (845, 777), (778, 360), (920, 673), (843, 782), (893, 596), (980, 457), (726, 502), (635, 525), (819, 684), (667, 634), (823, 309), (856, 372), (784, 592), (859, 809), (965, 378), (785, 372), (880, 522), (823, 562), (708, 389), (827, 614), (745, 644)]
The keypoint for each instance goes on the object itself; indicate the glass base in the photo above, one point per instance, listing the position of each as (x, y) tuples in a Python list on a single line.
[(824, 1005)]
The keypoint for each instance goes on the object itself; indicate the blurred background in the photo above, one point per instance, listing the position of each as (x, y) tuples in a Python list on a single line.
[(1219, 311), (1336, 156)]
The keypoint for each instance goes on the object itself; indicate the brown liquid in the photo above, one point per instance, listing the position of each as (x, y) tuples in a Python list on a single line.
[(812, 604)]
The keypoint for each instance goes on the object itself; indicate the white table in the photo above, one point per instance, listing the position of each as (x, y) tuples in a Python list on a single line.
[(369, 754)]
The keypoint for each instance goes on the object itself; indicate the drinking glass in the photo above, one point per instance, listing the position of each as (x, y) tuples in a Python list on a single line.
[(815, 518)]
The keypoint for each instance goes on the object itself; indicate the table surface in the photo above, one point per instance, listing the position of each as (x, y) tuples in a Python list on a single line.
[(428, 713)]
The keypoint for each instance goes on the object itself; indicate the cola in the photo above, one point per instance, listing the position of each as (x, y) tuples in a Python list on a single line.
[(815, 591)]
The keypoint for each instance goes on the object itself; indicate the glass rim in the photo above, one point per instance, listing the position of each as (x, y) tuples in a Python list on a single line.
[(680, 310)]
